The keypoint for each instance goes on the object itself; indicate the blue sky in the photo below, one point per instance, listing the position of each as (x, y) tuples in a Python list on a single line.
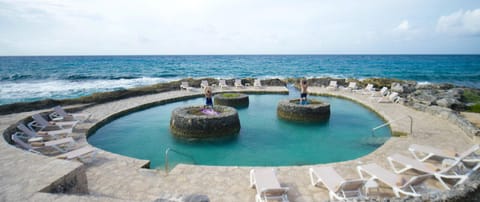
[(112, 27)]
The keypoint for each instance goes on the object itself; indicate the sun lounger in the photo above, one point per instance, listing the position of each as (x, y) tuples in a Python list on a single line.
[(454, 170), (85, 154), (42, 124), (398, 183), (369, 89), (424, 152), (351, 87), (53, 134), (267, 185), (383, 92), (222, 83), (332, 86), (60, 114), (337, 186), (392, 98), (257, 83), (60, 145), (238, 83), (185, 86), (204, 84)]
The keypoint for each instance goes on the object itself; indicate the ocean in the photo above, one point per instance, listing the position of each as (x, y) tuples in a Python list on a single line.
[(31, 78)]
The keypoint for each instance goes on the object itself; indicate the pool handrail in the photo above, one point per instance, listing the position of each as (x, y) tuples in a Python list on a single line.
[(390, 122), (178, 152)]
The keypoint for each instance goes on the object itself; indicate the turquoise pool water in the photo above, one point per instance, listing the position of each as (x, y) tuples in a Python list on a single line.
[(264, 140)]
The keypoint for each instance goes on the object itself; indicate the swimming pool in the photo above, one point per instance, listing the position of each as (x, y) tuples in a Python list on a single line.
[(264, 139)]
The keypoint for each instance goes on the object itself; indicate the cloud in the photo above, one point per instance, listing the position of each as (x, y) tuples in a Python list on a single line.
[(460, 23), (403, 26)]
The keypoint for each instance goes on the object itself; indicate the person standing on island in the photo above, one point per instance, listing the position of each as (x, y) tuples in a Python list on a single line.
[(208, 97), (303, 91)]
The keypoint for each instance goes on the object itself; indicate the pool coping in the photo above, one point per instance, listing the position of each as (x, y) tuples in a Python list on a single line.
[(18, 182)]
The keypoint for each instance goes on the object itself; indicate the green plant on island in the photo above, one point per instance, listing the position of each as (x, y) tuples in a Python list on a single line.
[(473, 97), (230, 95), (309, 101)]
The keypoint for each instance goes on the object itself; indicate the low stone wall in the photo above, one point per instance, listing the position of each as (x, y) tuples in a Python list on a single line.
[(237, 100), (312, 112), (187, 123), (74, 182), (450, 115)]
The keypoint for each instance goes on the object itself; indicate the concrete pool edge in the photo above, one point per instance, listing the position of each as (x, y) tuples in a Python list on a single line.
[(298, 193)]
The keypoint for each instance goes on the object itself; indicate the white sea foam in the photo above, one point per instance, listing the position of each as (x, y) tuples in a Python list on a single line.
[(423, 83), (63, 88)]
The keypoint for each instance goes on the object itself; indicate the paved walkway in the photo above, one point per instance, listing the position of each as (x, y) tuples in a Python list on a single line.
[(118, 178)]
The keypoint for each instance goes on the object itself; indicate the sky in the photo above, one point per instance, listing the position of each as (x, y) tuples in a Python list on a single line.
[(171, 27)]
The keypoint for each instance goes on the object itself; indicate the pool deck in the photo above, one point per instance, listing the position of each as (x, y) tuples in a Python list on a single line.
[(113, 177)]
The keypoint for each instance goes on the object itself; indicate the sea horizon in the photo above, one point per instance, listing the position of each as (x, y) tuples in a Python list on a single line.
[(259, 54)]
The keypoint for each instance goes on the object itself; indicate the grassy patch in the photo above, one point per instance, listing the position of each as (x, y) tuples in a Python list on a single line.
[(230, 95), (474, 108), (472, 96), (399, 134)]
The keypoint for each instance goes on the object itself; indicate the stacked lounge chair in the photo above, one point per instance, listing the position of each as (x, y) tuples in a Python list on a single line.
[(368, 90), (222, 83), (52, 134), (352, 86), (332, 86), (185, 85), (238, 83), (60, 145), (60, 114), (204, 84), (257, 83), (392, 98), (41, 123)]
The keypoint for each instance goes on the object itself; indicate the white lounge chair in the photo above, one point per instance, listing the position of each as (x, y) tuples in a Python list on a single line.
[(337, 186), (59, 145), (60, 114), (454, 170), (204, 84), (53, 134), (222, 83), (424, 152), (41, 123), (257, 83), (392, 98), (238, 83), (85, 154), (267, 185), (332, 86), (383, 92), (185, 86), (351, 87), (369, 89), (398, 183)]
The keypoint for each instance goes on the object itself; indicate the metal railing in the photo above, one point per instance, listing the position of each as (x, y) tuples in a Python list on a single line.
[(178, 152), (390, 122)]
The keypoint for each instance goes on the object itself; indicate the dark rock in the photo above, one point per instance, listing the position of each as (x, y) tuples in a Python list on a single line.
[(312, 112), (190, 122), (239, 101), (196, 198), (447, 102)]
